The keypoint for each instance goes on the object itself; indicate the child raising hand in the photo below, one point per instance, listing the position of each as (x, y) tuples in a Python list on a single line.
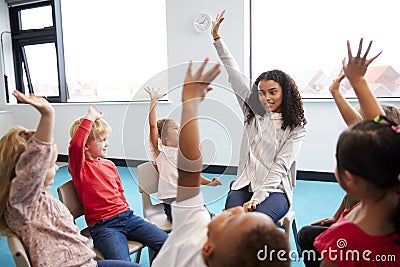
[(44, 224), (164, 135)]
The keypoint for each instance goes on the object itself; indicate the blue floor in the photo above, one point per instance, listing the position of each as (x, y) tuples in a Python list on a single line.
[(312, 201)]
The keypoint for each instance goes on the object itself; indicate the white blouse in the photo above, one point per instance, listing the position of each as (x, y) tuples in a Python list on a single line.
[(267, 152)]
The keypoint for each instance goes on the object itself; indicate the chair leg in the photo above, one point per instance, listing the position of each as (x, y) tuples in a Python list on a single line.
[(152, 255), (137, 256), (296, 240)]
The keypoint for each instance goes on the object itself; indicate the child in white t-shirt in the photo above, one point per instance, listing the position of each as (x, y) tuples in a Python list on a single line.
[(164, 135)]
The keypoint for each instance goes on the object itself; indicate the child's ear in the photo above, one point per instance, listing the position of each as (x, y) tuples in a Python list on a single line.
[(350, 178), (86, 147), (208, 250)]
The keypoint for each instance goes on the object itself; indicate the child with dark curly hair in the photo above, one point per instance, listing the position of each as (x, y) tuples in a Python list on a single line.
[(274, 127)]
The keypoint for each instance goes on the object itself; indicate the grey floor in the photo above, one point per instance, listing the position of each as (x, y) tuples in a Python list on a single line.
[(312, 201)]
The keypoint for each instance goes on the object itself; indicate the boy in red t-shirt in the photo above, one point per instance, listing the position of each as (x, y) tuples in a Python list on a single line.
[(98, 184)]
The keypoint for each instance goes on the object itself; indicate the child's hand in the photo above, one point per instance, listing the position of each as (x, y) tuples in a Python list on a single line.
[(327, 221), (196, 85), (250, 206), (357, 66), (216, 24), (94, 113), (41, 104), (154, 94), (44, 130), (334, 88), (215, 182)]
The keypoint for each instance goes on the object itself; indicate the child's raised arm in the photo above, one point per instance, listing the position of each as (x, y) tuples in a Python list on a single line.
[(195, 88), (349, 114), (45, 128), (154, 96), (355, 70), (93, 113)]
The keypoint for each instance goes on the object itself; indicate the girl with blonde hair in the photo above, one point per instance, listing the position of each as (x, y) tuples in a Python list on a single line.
[(42, 222)]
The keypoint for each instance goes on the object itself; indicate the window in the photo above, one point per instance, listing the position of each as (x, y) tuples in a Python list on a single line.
[(36, 35), (106, 53), (307, 39), (115, 49), (36, 18)]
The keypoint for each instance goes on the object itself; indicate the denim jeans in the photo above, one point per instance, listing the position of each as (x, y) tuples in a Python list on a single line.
[(110, 236), (116, 263), (276, 205)]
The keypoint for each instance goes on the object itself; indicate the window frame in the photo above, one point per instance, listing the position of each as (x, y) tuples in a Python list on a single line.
[(21, 38)]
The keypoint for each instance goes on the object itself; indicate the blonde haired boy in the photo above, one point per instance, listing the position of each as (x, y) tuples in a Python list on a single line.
[(98, 184)]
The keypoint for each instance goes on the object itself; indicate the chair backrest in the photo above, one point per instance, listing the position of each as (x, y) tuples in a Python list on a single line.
[(293, 173), (148, 184), (147, 178), (18, 251), (67, 195)]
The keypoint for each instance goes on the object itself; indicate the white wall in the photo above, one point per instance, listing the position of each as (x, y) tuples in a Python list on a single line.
[(5, 122), (222, 122)]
